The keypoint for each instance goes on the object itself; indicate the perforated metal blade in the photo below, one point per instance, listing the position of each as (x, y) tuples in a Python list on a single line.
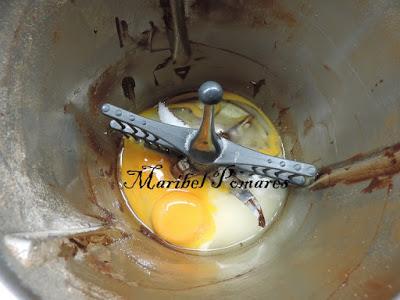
[(223, 152)]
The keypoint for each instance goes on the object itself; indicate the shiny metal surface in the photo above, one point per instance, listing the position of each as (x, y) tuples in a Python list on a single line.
[(325, 72), (206, 146)]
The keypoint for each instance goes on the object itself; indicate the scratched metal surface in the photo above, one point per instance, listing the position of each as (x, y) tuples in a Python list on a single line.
[(331, 74)]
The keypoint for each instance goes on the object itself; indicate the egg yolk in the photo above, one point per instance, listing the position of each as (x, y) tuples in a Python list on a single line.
[(181, 218)]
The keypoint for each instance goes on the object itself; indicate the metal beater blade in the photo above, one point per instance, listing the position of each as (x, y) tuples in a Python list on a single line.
[(204, 147)]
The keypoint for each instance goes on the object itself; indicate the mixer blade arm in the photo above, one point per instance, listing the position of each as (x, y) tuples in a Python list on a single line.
[(254, 162), (159, 135)]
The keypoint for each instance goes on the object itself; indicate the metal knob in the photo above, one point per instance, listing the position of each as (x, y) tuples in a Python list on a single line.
[(205, 147)]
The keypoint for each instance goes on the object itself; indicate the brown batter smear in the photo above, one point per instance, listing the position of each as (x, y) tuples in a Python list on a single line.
[(379, 167)]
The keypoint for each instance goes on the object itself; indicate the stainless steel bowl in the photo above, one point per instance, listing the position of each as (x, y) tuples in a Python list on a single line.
[(327, 74)]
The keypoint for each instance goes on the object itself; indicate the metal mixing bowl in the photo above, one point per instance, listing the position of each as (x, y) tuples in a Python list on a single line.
[(325, 71)]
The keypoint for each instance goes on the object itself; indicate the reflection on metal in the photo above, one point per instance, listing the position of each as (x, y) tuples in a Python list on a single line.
[(344, 241), (34, 248), (182, 72), (206, 146), (181, 46), (256, 86)]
